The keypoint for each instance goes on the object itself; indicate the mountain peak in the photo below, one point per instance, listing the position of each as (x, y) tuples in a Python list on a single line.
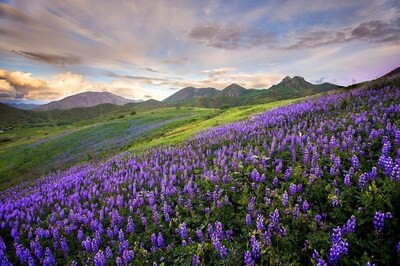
[(190, 93), (232, 86), (298, 78), (233, 90), (85, 99), (294, 82)]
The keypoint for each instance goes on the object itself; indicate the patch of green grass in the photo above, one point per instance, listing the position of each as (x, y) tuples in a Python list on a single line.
[(33, 153), (226, 116)]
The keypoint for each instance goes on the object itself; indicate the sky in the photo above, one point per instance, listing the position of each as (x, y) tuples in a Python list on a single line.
[(151, 49)]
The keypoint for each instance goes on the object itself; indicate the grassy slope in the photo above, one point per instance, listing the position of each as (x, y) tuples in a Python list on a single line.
[(227, 116), (37, 151), (32, 155)]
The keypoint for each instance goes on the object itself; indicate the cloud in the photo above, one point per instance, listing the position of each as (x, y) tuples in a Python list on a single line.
[(378, 31), (176, 61), (218, 71), (150, 69), (7, 90), (230, 36), (12, 14), (234, 37), (320, 80), (50, 58), (217, 78), (372, 31), (191, 40)]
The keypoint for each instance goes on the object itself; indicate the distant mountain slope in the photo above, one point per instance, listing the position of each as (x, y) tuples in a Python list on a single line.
[(234, 94), (24, 106), (392, 74), (11, 117), (84, 99), (190, 93), (296, 87)]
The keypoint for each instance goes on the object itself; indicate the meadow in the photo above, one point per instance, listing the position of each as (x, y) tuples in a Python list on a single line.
[(32, 151), (314, 182), (39, 150)]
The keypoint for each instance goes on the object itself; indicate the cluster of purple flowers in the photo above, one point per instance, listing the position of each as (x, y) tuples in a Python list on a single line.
[(379, 220), (339, 246), (264, 174)]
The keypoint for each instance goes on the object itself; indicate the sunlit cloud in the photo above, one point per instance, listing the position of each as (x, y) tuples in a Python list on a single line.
[(154, 48)]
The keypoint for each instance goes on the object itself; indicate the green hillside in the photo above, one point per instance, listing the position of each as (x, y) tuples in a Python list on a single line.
[(37, 151)]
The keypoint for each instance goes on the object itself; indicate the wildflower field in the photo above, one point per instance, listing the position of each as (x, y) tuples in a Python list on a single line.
[(310, 183)]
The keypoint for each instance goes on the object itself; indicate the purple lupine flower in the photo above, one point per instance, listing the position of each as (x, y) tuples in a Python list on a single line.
[(260, 222), (99, 259), (64, 245), (296, 211), (255, 247), (350, 225), (223, 252), (160, 240), (373, 134), (229, 234), (398, 247), (292, 189), (339, 246), (285, 199), (274, 218), (252, 201), (299, 188), (183, 231), (200, 235), (218, 229), (318, 218), (153, 240), (379, 220), (248, 259), (305, 206), (255, 176), (279, 167), (395, 175), (248, 220), (318, 259), (80, 235), (362, 181), (335, 201), (266, 236), (195, 260), (386, 163), (48, 258), (128, 256), (288, 174), (333, 142), (109, 254), (275, 182), (355, 162), (130, 227), (118, 261), (347, 181)]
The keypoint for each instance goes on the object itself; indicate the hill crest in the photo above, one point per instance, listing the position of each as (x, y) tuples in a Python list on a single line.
[(84, 99)]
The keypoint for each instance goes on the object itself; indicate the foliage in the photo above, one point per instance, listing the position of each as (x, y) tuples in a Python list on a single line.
[(301, 184)]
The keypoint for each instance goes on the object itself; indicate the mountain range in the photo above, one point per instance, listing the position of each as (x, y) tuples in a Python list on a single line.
[(23, 106), (232, 95), (85, 99)]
